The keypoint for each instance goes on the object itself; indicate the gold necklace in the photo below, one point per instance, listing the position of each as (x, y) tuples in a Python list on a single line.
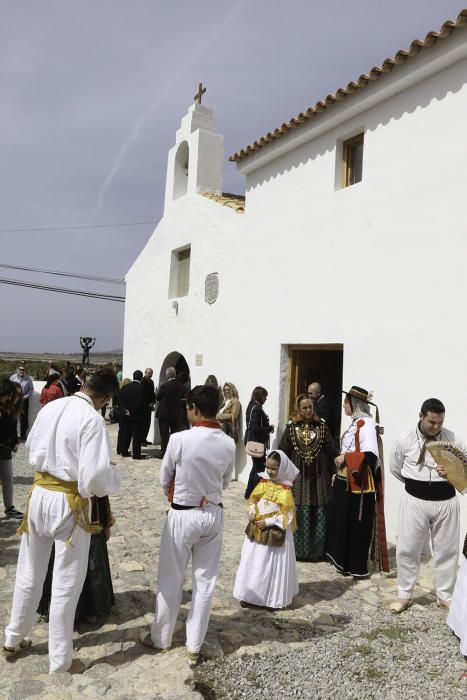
[(307, 440)]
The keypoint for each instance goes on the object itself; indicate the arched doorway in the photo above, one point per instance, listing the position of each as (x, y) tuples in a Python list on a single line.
[(177, 360)]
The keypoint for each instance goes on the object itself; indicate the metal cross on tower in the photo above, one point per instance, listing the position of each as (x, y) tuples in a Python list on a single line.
[(200, 93)]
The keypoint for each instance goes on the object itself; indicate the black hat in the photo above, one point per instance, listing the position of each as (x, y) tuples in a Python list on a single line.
[(363, 395), (359, 393)]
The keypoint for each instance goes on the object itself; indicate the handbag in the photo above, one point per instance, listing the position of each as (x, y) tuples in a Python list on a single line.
[(252, 448), (271, 536)]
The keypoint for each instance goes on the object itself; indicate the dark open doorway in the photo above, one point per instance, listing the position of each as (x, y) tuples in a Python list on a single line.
[(173, 359), (318, 363)]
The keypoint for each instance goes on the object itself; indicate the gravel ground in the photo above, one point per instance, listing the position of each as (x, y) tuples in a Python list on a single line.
[(409, 656), (337, 641)]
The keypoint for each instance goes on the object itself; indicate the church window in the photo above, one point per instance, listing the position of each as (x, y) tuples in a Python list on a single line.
[(179, 283), (352, 161), (182, 159)]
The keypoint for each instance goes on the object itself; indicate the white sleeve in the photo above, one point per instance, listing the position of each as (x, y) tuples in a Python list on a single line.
[(96, 475), (276, 520), (228, 472), (368, 439), (396, 460), (168, 465)]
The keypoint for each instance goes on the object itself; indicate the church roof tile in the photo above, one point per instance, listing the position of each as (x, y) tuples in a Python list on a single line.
[(234, 201), (374, 74)]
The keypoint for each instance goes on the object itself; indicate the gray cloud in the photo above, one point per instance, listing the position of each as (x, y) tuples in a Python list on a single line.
[(93, 92)]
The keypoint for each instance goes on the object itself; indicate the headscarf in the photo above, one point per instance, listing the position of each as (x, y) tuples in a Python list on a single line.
[(287, 473)]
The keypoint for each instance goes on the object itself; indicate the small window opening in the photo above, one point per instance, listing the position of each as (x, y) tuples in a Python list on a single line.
[(352, 161), (179, 283)]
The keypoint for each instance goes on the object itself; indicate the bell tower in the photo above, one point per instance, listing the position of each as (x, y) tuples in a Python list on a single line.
[(195, 162)]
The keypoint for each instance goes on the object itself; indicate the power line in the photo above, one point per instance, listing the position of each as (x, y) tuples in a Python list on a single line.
[(110, 280), (63, 290), (74, 228)]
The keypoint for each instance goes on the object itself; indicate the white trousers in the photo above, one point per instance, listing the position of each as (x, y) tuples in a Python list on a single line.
[(417, 520), (50, 520), (196, 533)]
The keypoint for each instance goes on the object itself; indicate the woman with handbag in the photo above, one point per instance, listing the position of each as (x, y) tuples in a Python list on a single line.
[(229, 413), (309, 444), (267, 574), (256, 435)]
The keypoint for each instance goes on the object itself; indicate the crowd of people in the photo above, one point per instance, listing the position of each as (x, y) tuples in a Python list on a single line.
[(309, 500)]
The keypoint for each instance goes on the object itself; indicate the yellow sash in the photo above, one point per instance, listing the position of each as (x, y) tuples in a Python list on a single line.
[(79, 506)]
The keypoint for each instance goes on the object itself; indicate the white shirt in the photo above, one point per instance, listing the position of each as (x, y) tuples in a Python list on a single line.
[(367, 436), (405, 454), (69, 440), (202, 460)]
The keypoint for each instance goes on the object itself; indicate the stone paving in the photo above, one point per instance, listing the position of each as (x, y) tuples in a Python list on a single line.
[(118, 665)]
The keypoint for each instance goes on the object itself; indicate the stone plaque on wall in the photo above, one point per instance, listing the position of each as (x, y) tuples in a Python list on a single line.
[(211, 288)]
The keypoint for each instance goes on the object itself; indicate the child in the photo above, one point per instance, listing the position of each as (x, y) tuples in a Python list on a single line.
[(267, 575)]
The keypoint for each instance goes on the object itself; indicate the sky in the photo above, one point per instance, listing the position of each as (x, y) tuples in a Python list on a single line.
[(92, 93)]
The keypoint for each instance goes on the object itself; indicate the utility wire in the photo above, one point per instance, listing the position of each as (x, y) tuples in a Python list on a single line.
[(110, 280), (74, 228), (62, 290)]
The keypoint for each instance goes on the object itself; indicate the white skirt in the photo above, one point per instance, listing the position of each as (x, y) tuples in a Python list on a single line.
[(457, 617), (267, 576)]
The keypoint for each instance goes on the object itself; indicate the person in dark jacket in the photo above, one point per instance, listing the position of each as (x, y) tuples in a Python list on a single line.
[(169, 412), (149, 400), (132, 406), (321, 404), (257, 430), (10, 408)]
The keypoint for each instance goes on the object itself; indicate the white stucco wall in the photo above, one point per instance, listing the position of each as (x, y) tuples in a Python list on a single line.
[(378, 266)]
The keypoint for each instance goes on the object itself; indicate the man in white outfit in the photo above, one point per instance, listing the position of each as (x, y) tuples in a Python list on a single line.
[(70, 451), (428, 506), (197, 466)]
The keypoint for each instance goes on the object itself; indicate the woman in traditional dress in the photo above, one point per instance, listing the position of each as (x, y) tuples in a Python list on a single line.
[(257, 430), (457, 617), (309, 444), (97, 596), (229, 413), (352, 511), (267, 575)]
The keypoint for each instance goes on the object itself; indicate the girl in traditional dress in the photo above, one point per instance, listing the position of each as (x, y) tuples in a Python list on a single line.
[(352, 511), (267, 575), (309, 444)]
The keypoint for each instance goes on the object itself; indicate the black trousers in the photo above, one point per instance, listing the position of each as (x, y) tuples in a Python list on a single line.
[(130, 431), (253, 479), (147, 425), (166, 429), (24, 420)]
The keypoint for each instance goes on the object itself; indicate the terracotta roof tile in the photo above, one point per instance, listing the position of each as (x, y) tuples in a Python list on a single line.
[(374, 74), (234, 201)]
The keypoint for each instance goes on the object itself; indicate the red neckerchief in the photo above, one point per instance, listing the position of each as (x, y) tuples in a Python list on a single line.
[(205, 423), (284, 486)]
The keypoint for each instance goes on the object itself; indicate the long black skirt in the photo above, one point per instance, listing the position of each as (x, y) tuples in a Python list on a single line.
[(350, 529), (97, 596)]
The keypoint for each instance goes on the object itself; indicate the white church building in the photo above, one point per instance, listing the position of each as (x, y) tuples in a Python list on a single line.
[(344, 263)]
